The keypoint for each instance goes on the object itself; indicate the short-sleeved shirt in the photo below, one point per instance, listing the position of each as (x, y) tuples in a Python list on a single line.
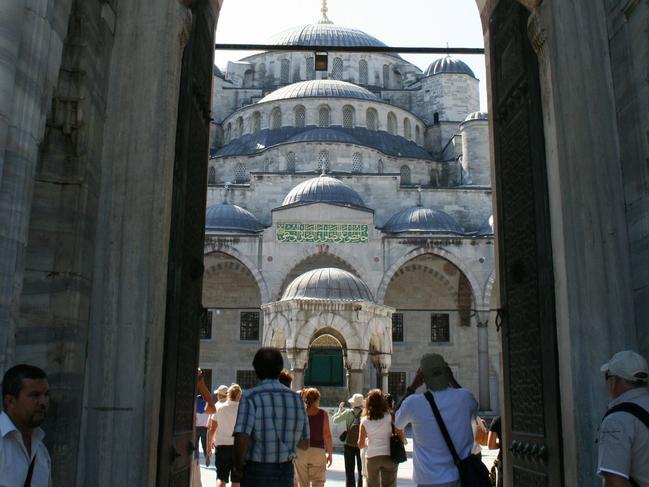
[(623, 440), (378, 435), (225, 417), (276, 420), (432, 460)]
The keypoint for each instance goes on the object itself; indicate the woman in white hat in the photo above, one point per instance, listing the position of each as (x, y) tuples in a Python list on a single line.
[(352, 419)]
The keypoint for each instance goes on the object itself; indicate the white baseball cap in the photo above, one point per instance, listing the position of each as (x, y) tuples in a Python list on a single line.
[(221, 390), (627, 365)]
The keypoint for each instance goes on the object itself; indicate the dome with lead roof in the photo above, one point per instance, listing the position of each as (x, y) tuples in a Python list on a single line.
[(324, 34), (423, 220), (476, 116), (326, 88), (448, 65), (226, 216), (330, 284), (324, 189)]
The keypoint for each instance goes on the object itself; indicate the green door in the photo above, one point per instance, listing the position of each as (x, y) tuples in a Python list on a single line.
[(325, 368)]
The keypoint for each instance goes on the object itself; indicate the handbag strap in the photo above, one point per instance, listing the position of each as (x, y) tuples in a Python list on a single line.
[(442, 427), (30, 473)]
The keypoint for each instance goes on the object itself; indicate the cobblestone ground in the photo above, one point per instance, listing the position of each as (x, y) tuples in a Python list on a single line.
[(336, 473)]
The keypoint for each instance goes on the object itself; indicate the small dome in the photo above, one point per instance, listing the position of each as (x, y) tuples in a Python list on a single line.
[(487, 228), (320, 88), (476, 116), (225, 216), (328, 283), (218, 72), (448, 65), (323, 135), (324, 34), (323, 189), (420, 219)]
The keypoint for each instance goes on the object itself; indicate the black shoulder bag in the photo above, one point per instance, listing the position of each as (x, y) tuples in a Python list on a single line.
[(30, 473), (473, 473), (638, 411), (397, 448)]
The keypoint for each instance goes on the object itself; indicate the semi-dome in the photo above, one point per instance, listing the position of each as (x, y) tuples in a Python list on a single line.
[(323, 189), (323, 135), (476, 116), (424, 220), (226, 216), (329, 88), (324, 34), (448, 65), (487, 229), (329, 283)]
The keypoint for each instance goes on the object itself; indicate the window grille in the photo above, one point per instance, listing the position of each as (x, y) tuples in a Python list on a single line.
[(290, 162), (397, 384), (362, 72), (276, 119), (357, 162), (247, 379), (211, 176), (397, 327), (310, 68), (435, 117), (323, 117), (323, 161), (206, 325), (348, 117), (285, 70), (239, 127), (380, 167), (296, 73), (268, 164), (240, 173), (261, 72), (418, 135), (439, 328), (392, 124), (256, 122), (407, 131), (249, 325), (405, 175), (386, 76), (372, 119), (337, 68), (300, 116)]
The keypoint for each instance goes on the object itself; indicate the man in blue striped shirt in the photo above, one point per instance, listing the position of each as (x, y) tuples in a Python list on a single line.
[(271, 424)]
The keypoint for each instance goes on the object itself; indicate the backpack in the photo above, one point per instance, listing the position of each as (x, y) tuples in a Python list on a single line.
[(353, 431)]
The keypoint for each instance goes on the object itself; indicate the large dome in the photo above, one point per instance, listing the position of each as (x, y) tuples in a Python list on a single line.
[(328, 283), (424, 220), (323, 135), (225, 216), (448, 65), (320, 88), (323, 34), (323, 189)]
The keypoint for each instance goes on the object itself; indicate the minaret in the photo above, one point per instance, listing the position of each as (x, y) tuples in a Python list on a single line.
[(324, 10)]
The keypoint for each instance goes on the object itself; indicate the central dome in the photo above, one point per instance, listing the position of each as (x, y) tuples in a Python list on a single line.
[(324, 35), (323, 189), (329, 283), (329, 88)]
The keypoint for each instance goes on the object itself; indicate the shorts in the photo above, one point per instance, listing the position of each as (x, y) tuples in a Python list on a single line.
[(224, 461)]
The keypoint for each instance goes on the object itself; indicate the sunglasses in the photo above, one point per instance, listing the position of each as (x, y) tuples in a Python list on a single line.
[(607, 376)]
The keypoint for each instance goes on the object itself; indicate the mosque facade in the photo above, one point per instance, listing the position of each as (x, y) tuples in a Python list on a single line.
[(349, 219)]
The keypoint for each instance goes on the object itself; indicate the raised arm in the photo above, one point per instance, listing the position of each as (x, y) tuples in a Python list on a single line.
[(205, 393), (329, 444)]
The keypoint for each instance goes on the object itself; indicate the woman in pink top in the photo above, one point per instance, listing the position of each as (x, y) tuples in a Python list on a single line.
[(311, 465), (375, 433)]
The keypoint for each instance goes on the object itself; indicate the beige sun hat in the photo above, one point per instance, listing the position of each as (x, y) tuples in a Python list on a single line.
[(356, 401)]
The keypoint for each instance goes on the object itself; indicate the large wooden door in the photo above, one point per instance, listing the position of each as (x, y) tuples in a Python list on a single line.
[(533, 455), (185, 269)]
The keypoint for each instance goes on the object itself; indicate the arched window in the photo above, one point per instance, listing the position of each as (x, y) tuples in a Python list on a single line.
[(407, 131), (228, 132), (211, 175), (285, 71), (268, 164), (324, 117), (276, 118), (392, 123), (247, 78), (300, 115), (380, 167), (256, 122), (386, 76), (323, 161), (405, 175), (362, 72), (348, 116), (372, 119), (239, 127), (310, 68), (357, 162), (435, 117), (261, 72), (290, 162), (241, 173), (337, 68), (418, 135)]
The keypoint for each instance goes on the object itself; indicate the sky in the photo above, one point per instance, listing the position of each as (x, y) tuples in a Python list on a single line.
[(417, 23)]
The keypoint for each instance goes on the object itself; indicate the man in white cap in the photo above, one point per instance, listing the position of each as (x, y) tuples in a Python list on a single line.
[(623, 438), (221, 393), (432, 460), (352, 419)]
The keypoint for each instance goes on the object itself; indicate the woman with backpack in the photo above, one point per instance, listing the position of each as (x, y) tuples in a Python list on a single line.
[(352, 419)]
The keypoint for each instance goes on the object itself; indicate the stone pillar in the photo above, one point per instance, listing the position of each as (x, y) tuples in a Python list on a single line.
[(298, 379), (298, 360), (355, 381), (384, 382), (483, 364)]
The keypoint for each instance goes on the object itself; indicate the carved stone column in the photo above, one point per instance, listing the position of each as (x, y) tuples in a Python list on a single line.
[(298, 379), (484, 391), (355, 381)]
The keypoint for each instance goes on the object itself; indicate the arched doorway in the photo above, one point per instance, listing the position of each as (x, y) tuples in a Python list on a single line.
[(325, 367)]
